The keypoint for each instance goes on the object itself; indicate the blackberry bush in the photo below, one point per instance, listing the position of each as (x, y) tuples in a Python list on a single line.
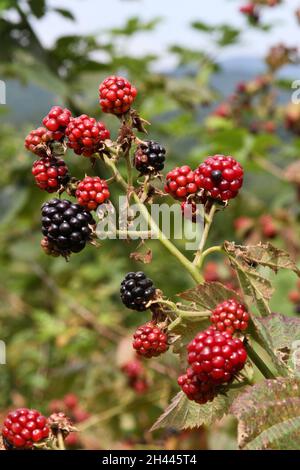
[(215, 359)]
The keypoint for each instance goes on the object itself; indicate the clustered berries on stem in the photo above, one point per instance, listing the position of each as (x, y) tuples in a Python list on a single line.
[(215, 356), (27, 429)]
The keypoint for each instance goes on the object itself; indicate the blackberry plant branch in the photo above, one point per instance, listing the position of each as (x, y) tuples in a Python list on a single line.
[(188, 265), (207, 225)]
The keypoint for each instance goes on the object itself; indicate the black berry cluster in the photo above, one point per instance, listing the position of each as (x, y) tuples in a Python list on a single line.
[(66, 225), (150, 157), (136, 291)]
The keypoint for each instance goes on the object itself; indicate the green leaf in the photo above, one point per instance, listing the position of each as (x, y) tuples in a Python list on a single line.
[(246, 259), (135, 25), (201, 26), (65, 13), (183, 413), (5, 4), (269, 415), (38, 7), (264, 255), (227, 35), (281, 337), (208, 295)]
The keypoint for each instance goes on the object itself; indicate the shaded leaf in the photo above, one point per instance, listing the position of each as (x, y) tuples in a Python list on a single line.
[(254, 285), (268, 415), (281, 337), (38, 7), (208, 295), (263, 254), (183, 413)]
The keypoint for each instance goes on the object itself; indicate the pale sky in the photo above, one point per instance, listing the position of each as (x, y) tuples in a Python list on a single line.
[(96, 15)]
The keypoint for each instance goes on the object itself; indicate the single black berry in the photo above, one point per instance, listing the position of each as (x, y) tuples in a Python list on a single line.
[(66, 225), (149, 158), (136, 290)]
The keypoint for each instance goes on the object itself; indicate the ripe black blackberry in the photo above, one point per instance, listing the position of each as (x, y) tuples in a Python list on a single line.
[(136, 291), (66, 225), (149, 158)]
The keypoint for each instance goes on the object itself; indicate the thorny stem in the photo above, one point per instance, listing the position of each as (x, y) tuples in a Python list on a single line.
[(208, 221), (193, 271), (259, 363)]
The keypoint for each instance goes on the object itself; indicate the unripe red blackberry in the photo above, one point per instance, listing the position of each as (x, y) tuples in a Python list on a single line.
[(195, 390), (180, 182), (36, 140), (85, 135), (230, 316), (66, 225), (91, 192), (150, 340), (149, 158), (23, 428), (57, 120), (136, 291), (50, 173), (221, 177), (216, 356), (116, 95)]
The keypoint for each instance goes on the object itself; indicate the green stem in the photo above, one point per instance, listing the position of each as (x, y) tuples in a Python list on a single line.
[(210, 250), (259, 363), (193, 271), (208, 221)]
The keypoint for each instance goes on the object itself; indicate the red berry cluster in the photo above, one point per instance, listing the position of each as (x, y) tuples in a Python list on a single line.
[(116, 95), (23, 428), (136, 376), (50, 173), (85, 135), (91, 192), (37, 139), (230, 316), (215, 358), (57, 120), (150, 340), (221, 177), (180, 182)]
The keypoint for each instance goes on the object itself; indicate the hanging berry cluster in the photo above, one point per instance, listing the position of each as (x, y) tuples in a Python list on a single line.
[(216, 355)]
